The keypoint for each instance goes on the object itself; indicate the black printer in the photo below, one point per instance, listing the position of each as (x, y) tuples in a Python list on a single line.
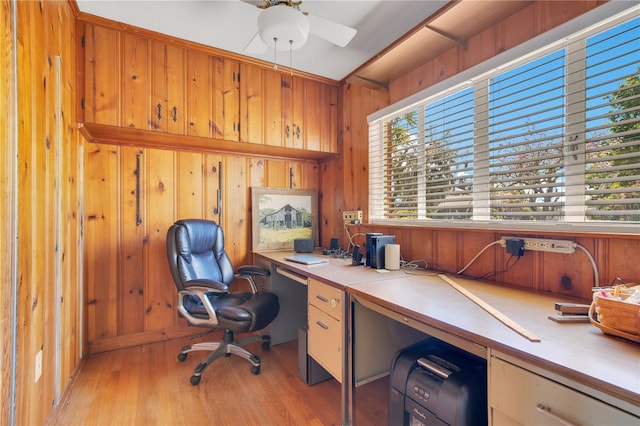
[(433, 383)]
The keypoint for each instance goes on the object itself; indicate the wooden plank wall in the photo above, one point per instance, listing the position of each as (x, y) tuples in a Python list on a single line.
[(8, 195), (452, 249), (131, 298), (48, 200)]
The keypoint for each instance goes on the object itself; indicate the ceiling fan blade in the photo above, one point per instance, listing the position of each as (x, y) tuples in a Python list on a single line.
[(331, 31), (256, 45)]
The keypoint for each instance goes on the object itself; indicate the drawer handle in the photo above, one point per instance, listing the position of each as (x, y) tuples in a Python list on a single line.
[(322, 298), (322, 325), (541, 408)]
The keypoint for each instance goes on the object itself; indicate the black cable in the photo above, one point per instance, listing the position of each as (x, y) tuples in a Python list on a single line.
[(496, 273)]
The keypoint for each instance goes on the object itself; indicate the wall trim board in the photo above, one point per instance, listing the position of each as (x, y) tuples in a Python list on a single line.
[(115, 135), (135, 339)]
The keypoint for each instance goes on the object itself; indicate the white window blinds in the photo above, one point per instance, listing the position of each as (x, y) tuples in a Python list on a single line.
[(526, 132), (554, 138), (612, 124)]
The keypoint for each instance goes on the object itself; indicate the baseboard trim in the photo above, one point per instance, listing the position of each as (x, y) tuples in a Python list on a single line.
[(135, 339)]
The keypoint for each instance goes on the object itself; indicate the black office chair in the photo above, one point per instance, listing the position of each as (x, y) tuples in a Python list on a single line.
[(203, 273)]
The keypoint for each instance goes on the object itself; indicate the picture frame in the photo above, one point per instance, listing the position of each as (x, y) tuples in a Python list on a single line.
[(281, 215)]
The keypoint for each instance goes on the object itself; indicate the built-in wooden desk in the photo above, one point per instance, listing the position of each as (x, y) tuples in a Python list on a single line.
[(578, 357)]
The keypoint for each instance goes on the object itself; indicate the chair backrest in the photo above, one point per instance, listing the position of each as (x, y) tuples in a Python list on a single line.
[(195, 250)]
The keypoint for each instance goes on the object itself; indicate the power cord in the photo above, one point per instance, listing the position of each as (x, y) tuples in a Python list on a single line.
[(596, 275), (477, 256), (351, 237), (496, 273)]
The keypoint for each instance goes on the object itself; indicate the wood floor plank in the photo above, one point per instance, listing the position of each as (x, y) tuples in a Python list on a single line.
[(148, 385)]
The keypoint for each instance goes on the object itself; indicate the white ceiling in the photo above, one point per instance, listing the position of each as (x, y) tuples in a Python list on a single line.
[(231, 24)]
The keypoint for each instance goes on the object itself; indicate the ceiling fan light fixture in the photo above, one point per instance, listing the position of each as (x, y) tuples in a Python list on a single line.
[(288, 25)]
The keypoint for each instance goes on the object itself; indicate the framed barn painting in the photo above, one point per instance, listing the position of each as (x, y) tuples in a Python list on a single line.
[(280, 216)]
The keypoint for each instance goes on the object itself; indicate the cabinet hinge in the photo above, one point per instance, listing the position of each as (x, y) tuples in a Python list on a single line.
[(82, 103), (82, 41), (238, 77)]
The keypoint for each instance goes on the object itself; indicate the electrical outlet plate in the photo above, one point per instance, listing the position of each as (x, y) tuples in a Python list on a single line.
[(544, 244), (349, 216)]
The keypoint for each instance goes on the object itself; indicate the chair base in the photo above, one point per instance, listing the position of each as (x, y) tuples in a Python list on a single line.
[(227, 346)]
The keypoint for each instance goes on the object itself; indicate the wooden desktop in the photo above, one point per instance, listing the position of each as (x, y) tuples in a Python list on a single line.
[(574, 372)]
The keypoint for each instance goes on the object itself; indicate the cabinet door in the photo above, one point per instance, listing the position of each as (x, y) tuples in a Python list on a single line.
[(293, 110), (226, 99), (199, 104), (309, 114), (327, 126), (167, 112), (101, 71), (272, 107), (135, 82), (320, 117), (251, 109)]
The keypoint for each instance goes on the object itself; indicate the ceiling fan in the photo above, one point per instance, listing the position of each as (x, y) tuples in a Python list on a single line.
[(284, 26)]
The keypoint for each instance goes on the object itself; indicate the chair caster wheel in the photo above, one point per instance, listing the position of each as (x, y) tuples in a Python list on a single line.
[(265, 345), (195, 380), (255, 370), (182, 356)]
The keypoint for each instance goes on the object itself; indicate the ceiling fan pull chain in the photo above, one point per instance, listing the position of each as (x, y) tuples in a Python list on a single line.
[(275, 53), (291, 57)]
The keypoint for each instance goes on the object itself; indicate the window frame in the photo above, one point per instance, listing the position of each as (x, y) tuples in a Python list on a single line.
[(571, 37)]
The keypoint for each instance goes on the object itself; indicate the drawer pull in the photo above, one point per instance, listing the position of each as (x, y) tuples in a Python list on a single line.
[(322, 325), (322, 298), (541, 408)]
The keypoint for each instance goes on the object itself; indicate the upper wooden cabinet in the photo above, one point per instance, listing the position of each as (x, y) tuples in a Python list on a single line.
[(167, 102), (136, 82), (102, 64)]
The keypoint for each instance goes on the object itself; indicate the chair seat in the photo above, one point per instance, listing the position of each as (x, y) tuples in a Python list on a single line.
[(240, 312), (195, 307)]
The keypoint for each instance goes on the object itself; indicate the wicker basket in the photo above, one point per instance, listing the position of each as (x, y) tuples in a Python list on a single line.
[(614, 316)]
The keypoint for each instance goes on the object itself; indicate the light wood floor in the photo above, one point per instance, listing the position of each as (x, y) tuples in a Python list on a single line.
[(147, 385)]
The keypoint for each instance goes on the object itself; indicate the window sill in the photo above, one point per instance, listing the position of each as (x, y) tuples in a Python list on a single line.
[(591, 229)]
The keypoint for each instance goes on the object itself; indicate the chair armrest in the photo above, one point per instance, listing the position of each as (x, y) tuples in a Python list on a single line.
[(249, 272), (208, 285), (252, 270), (200, 293)]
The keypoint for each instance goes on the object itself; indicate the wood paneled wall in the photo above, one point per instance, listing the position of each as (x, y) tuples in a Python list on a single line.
[(42, 134), (535, 19), (8, 179), (131, 298), (452, 249)]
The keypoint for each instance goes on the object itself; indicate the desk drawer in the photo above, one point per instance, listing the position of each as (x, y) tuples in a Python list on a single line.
[(324, 341), (326, 298), (520, 397)]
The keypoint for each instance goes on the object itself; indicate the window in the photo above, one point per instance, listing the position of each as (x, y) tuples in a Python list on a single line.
[(550, 138)]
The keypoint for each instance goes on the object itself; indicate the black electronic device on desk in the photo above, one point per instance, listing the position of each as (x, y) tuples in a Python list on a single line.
[(377, 249), (433, 383)]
